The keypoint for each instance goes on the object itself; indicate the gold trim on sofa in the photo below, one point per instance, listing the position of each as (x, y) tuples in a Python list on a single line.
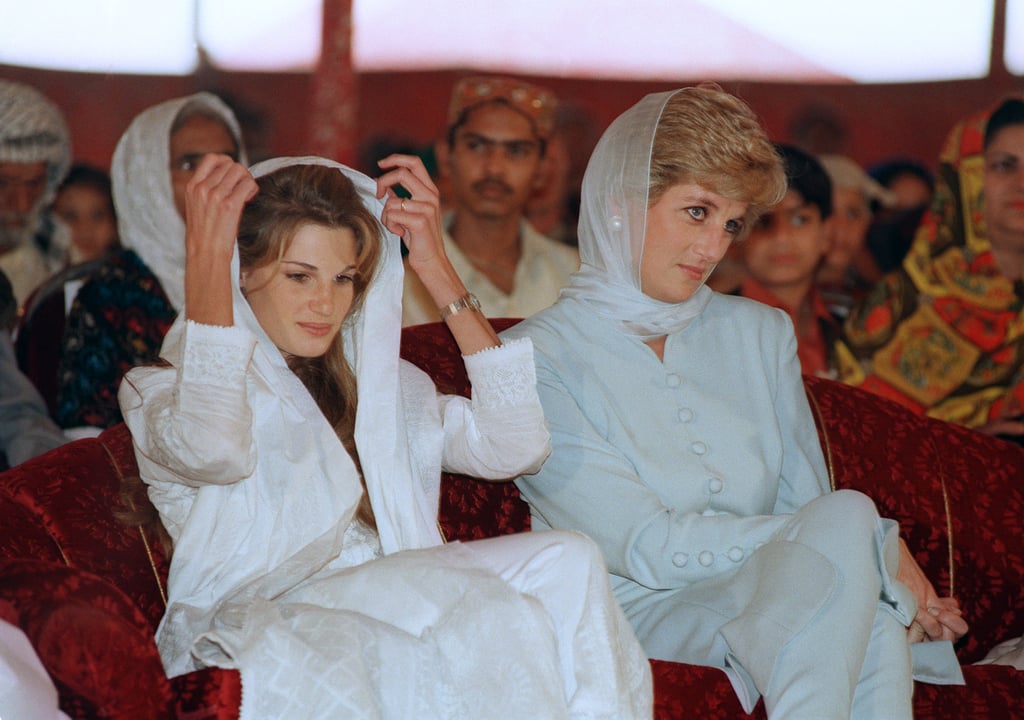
[(826, 447), (142, 533)]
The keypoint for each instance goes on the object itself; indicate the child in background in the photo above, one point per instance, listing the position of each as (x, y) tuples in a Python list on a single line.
[(782, 255), (86, 205), (849, 268)]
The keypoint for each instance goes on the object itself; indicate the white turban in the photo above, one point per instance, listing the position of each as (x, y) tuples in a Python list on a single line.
[(32, 129)]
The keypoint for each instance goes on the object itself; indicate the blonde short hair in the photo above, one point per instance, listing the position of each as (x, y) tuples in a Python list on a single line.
[(710, 138)]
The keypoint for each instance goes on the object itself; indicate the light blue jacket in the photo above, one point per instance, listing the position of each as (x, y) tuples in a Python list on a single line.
[(681, 469), (674, 468)]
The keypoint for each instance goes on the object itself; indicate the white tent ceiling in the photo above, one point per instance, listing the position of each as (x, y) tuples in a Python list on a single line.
[(809, 40)]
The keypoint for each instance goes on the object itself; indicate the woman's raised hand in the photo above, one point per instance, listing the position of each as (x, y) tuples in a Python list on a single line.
[(214, 199), (417, 220)]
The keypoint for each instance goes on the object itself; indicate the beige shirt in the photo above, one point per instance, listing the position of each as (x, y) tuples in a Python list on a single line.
[(544, 269)]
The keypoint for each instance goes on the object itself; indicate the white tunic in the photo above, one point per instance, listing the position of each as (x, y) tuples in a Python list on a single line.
[(271, 576)]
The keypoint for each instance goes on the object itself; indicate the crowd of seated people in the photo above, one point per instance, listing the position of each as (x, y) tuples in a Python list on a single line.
[(102, 265), (944, 333)]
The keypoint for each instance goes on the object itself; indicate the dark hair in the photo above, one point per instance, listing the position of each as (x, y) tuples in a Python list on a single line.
[(805, 175), (82, 174), (887, 171), (8, 305), (1011, 112)]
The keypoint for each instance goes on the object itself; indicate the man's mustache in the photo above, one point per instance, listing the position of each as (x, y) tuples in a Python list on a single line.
[(491, 184)]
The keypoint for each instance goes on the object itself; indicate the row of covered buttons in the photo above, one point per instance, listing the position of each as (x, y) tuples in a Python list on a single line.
[(686, 415), (707, 558)]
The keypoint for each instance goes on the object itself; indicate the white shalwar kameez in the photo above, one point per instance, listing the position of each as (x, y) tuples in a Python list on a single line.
[(324, 617)]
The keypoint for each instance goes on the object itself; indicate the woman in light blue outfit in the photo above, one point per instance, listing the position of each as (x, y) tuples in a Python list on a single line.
[(684, 445)]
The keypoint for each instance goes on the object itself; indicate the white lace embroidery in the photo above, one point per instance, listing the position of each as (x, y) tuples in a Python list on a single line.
[(505, 386), (215, 362), (361, 544), (503, 376)]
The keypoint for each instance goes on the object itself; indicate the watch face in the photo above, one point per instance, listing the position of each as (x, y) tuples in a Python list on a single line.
[(469, 300)]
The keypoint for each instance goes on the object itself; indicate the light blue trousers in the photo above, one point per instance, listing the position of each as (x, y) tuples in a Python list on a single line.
[(807, 621)]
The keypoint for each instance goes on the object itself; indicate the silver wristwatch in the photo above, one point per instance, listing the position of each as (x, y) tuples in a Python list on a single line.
[(467, 301)]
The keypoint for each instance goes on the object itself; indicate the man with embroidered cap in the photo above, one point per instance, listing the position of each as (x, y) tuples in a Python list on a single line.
[(35, 151), (490, 162)]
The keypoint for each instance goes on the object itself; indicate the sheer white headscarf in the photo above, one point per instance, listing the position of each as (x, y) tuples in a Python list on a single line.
[(613, 222), (406, 516), (140, 174)]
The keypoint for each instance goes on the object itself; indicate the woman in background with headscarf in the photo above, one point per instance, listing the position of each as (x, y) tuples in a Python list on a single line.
[(121, 314), (683, 443), (944, 334)]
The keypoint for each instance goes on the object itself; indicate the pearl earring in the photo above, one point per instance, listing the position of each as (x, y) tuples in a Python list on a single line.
[(617, 222)]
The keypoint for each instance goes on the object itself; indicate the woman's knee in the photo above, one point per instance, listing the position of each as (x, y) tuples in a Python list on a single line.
[(846, 510), (580, 551)]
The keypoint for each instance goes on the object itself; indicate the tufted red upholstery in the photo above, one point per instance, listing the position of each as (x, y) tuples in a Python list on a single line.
[(65, 560)]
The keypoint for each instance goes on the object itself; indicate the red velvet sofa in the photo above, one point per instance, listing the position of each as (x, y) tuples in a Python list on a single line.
[(88, 591)]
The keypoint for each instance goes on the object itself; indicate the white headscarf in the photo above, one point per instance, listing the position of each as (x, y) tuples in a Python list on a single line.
[(406, 516), (140, 174), (613, 221), (32, 129)]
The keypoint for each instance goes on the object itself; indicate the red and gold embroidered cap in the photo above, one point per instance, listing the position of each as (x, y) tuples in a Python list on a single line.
[(537, 103)]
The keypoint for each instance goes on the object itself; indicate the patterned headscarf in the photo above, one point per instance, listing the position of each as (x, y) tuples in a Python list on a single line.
[(536, 103), (140, 173), (32, 129), (944, 335)]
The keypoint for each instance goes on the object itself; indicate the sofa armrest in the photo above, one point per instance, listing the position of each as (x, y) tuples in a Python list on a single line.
[(87, 634), (22, 536), (70, 495), (957, 494)]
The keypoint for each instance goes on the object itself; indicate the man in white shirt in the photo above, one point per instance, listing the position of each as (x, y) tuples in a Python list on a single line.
[(490, 162)]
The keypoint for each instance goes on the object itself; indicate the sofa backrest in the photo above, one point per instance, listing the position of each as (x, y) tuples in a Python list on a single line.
[(957, 494)]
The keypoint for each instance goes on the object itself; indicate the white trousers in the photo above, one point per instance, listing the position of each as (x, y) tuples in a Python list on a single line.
[(566, 574)]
